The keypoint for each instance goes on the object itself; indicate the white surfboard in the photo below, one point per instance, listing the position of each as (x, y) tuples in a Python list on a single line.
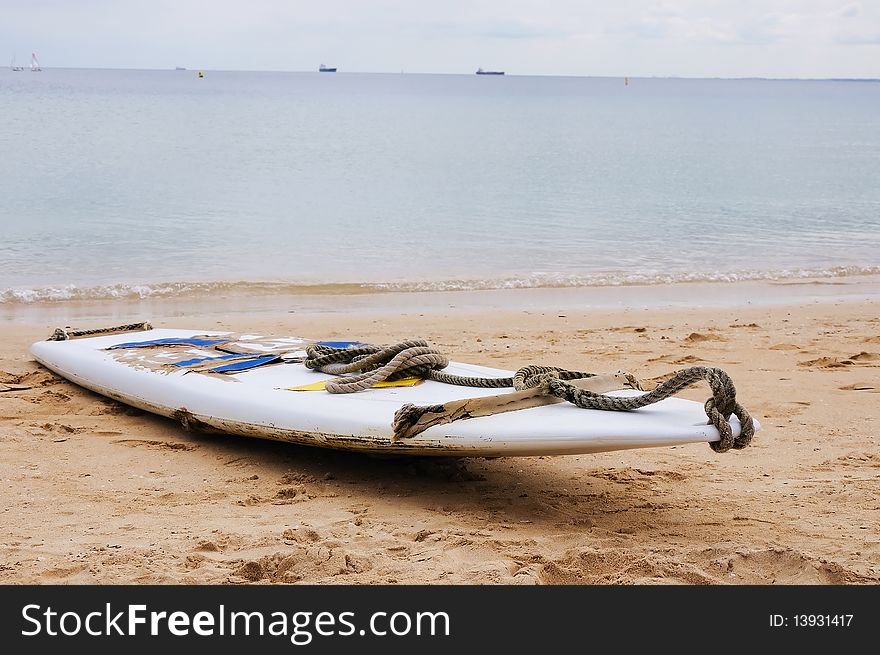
[(181, 374)]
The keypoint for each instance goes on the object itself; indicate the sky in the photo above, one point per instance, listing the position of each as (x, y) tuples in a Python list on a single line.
[(682, 38)]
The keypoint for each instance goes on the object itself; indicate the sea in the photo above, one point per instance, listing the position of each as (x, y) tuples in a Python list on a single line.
[(159, 183)]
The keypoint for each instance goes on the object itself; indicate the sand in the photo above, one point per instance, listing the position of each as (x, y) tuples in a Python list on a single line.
[(95, 492)]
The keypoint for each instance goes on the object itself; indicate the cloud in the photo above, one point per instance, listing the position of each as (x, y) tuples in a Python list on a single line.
[(850, 33), (493, 29), (857, 38), (798, 38), (851, 10), (519, 31), (669, 23), (769, 28)]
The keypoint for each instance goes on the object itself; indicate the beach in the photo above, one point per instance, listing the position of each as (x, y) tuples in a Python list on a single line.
[(96, 492)]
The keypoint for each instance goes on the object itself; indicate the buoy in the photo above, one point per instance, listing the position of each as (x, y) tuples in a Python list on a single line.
[(201, 74)]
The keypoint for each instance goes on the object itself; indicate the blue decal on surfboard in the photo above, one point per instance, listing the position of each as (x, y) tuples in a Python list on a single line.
[(341, 344), (198, 360), (170, 341), (245, 365)]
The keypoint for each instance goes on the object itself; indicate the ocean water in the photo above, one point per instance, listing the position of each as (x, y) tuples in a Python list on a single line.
[(158, 183)]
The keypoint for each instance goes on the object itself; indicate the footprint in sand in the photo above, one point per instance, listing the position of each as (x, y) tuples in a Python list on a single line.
[(61, 428), (793, 408), (251, 571), (289, 495), (38, 378), (155, 445), (207, 547), (859, 359), (314, 562), (48, 396), (65, 571), (295, 478), (870, 460), (866, 358), (786, 566), (823, 362), (672, 359), (300, 534), (284, 496), (699, 337), (114, 408)]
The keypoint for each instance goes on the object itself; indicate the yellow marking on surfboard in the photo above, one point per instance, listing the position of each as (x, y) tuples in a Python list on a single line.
[(320, 386)]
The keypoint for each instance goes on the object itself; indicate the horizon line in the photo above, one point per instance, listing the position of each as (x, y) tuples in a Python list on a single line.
[(506, 74)]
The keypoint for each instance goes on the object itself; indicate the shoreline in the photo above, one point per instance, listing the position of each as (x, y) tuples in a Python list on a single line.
[(682, 295)]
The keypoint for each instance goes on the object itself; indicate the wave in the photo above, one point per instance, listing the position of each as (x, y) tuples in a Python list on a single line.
[(161, 290)]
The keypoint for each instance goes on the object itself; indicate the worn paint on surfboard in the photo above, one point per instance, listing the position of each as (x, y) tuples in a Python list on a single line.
[(181, 379)]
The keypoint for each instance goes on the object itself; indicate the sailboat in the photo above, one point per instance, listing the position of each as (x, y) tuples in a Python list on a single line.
[(35, 65), (13, 66)]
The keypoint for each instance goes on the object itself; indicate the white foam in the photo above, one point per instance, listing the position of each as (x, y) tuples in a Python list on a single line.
[(70, 292)]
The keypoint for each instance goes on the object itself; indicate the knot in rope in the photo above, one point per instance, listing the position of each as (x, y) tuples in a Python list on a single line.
[(718, 408)]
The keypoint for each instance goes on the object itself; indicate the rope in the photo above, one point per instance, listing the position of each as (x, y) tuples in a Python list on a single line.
[(373, 364), (718, 408), (364, 366), (413, 358), (63, 334)]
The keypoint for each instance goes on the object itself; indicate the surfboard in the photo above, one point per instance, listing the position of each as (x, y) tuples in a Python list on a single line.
[(256, 385)]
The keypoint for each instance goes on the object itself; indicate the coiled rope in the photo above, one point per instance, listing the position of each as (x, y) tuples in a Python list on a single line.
[(361, 367)]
